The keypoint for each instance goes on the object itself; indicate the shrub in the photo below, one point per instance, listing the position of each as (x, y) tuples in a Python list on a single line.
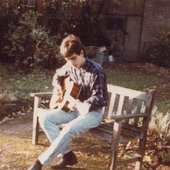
[(160, 123), (70, 16), (158, 51), (8, 14), (6, 97), (79, 17), (30, 43)]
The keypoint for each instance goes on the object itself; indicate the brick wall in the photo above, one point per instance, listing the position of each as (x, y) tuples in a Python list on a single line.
[(125, 7), (156, 19)]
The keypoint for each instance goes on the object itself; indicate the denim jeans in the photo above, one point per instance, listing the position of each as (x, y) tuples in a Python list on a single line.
[(75, 124)]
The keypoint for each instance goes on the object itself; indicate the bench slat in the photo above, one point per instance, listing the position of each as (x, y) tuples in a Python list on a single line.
[(120, 105), (126, 92), (41, 94), (129, 160), (111, 105)]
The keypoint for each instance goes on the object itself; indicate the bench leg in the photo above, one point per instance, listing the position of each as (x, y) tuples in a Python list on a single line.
[(114, 145), (35, 130), (141, 151), (138, 165), (113, 161)]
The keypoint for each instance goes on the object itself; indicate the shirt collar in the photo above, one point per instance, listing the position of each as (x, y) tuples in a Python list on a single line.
[(85, 64)]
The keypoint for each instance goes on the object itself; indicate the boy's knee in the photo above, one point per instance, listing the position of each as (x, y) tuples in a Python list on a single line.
[(72, 129), (44, 120)]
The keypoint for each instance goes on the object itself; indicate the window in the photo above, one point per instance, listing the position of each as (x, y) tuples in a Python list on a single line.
[(28, 3), (115, 23)]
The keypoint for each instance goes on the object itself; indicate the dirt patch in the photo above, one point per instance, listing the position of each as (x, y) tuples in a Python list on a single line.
[(17, 152), (17, 126), (15, 109)]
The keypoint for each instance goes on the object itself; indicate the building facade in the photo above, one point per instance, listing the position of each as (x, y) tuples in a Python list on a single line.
[(130, 24), (135, 22)]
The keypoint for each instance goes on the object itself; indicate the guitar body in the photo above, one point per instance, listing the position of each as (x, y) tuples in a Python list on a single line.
[(70, 92)]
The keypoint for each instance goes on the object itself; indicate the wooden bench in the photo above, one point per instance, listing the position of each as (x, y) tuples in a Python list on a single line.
[(126, 118)]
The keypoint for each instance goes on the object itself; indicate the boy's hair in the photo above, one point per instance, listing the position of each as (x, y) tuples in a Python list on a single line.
[(70, 45)]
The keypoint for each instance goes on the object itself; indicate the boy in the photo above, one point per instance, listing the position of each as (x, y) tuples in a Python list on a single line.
[(84, 113)]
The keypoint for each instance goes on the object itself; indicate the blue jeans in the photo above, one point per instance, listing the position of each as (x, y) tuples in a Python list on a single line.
[(75, 124)]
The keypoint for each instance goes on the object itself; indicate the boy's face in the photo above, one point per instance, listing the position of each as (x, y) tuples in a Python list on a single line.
[(76, 60)]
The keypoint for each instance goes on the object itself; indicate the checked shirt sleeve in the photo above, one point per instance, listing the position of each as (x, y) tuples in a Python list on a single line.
[(59, 75), (99, 93)]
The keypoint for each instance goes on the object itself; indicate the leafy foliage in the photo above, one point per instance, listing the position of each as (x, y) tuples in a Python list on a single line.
[(160, 123), (158, 50), (70, 16), (30, 43), (79, 17), (8, 15), (6, 97)]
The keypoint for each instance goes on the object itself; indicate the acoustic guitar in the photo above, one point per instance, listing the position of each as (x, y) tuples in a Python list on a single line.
[(70, 92)]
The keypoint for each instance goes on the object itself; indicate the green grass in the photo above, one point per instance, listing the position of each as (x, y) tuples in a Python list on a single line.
[(164, 106), (131, 79), (21, 85)]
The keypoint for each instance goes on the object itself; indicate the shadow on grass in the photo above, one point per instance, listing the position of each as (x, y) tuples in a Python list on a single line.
[(69, 168), (86, 143)]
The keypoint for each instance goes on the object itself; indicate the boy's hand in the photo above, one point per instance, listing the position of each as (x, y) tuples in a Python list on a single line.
[(82, 107), (72, 106)]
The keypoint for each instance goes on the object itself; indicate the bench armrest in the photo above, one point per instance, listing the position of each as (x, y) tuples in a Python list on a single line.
[(41, 94), (117, 118)]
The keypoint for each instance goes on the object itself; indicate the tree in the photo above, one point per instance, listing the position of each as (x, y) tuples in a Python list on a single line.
[(76, 16)]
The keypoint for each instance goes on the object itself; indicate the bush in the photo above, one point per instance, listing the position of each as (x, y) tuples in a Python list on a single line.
[(8, 14), (30, 44), (158, 50), (78, 17), (6, 97), (160, 124), (73, 16)]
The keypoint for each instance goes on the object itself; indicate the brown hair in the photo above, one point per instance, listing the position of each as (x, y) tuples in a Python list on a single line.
[(70, 45)]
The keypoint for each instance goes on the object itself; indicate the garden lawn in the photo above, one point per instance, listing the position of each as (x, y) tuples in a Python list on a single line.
[(135, 76)]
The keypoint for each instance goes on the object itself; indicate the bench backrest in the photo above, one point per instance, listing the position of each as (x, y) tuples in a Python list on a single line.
[(125, 102)]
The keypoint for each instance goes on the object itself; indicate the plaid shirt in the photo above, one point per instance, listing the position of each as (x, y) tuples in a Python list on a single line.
[(91, 77)]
